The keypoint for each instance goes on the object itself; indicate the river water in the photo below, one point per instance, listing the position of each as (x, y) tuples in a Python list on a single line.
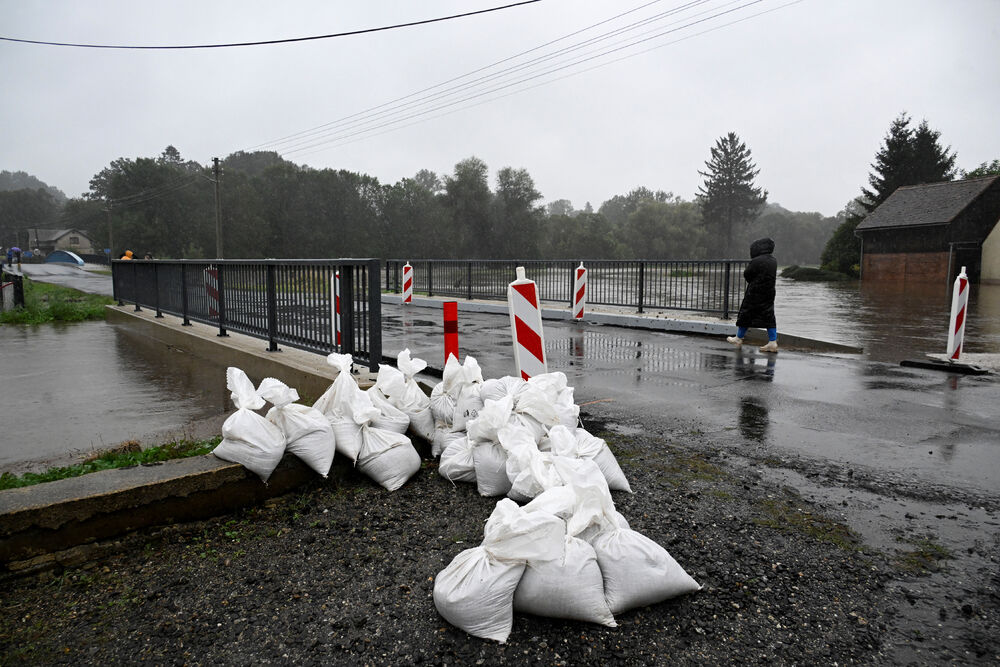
[(71, 389)]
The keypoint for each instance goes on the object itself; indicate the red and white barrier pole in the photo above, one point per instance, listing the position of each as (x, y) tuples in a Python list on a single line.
[(336, 309), (526, 326), (407, 283), (959, 305), (579, 292), (450, 330), (212, 289)]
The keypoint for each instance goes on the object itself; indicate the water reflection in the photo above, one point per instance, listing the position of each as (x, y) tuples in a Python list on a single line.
[(753, 418), (748, 368)]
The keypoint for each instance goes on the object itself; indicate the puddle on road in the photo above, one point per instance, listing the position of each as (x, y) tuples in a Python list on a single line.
[(71, 389)]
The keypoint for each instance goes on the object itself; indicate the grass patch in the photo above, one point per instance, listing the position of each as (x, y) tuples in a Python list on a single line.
[(52, 303), (119, 457), (683, 469), (924, 558), (785, 516)]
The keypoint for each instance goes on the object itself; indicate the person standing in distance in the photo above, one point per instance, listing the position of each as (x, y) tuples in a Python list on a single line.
[(757, 308)]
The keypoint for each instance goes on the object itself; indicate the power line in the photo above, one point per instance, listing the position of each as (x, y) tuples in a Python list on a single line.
[(272, 41), (404, 114), (371, 132)]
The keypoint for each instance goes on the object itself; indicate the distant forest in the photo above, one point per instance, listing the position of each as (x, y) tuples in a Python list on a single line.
[(271, 207)]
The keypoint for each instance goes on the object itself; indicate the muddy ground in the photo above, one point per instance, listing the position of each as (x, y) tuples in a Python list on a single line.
[(343, 572)]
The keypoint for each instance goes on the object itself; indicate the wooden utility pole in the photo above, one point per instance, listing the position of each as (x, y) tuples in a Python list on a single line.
[(218, 209)]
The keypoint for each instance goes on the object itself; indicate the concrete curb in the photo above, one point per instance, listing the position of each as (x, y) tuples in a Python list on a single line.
[(635, 321), (52, 524)]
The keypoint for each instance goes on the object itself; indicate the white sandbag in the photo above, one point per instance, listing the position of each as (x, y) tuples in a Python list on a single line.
[(490, 461), (400, 387), (534, 410), (578, 443), (475, 591), (457, 461), (467, 407), (334, 401), (358, 412), (570, 587), (442, 436), (248, 438), (530, 471), (493, 416), (637, 571), (390, 417), (583, 502), (387, 457), (442, 405), (560, 395), (496, 388), (307, 432)]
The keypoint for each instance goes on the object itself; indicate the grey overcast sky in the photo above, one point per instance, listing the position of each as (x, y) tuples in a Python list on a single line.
[(810, 86)]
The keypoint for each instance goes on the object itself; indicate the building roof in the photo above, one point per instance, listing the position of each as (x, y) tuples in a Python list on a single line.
[(48, 235), (927, 204)]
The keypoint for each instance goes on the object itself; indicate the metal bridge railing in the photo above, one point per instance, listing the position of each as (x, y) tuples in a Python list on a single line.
[(281, 301), (710, 286)]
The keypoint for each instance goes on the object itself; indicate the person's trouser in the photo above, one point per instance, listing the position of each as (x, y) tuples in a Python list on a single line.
[(772, 333)]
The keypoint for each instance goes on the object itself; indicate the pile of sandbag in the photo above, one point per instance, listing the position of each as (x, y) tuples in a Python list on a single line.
[(566, 554), (258, 443), (367, 427), (504, 434)]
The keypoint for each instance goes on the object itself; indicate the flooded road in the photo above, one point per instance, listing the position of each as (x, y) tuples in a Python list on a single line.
[(71, 389)]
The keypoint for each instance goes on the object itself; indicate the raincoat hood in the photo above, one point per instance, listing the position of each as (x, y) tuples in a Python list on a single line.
[(764, 246)]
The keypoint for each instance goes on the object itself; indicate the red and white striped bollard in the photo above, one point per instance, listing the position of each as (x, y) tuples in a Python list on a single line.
[(959, 306), (336, 309), (526, 326), (407, 283), (579, 292)]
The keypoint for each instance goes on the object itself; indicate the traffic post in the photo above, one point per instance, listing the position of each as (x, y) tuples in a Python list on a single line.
[(579, 292), (526, 326), (407, 283)]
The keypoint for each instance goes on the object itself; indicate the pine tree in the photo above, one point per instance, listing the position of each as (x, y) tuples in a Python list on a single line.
[(728, 196), (908, 157)]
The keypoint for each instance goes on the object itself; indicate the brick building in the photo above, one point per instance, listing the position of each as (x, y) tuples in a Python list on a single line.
[(928, 232)]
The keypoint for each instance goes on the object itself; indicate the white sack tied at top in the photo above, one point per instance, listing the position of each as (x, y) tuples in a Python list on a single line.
[(335, 400), (535, 410), (308, 433), (475, 591), (247, 438), (456, 399), (387, 457), (489, 457), (560, 394), (390, 417), (458, 462), (347, 422), (400, 387), (578, 443), (530, 471)]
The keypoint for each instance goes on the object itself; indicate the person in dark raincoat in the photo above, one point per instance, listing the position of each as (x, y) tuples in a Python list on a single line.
[(757, 309)]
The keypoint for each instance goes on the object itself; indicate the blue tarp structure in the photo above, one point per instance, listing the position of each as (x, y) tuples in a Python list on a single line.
[(64, 257)]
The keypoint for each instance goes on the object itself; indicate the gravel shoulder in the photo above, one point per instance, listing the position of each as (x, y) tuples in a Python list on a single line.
[(343, 571)]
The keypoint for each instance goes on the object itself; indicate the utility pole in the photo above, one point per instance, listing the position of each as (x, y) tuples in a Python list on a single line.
[(218, 209)]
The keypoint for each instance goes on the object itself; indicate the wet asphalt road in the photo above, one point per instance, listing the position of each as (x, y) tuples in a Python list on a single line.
[(922, 428)]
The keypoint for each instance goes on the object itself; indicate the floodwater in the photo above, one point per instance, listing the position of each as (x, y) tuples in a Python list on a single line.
[(83, 387), (891, 321), (76, 388)]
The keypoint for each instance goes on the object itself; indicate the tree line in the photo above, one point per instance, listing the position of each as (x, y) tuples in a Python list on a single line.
[(271, 207)]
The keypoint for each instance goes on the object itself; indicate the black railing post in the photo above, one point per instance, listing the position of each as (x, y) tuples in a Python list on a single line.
[(374, 318), (272, 309), (397, 288), (388, 287), (725, 293), (156, 286), (184, 296), (468, 279), (642, 285), (135, 287), (222, 301), (347, 309), (116, 292), (430, 278)]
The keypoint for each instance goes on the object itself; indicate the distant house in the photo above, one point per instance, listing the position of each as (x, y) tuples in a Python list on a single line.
[(928, 232), (49, 240)]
